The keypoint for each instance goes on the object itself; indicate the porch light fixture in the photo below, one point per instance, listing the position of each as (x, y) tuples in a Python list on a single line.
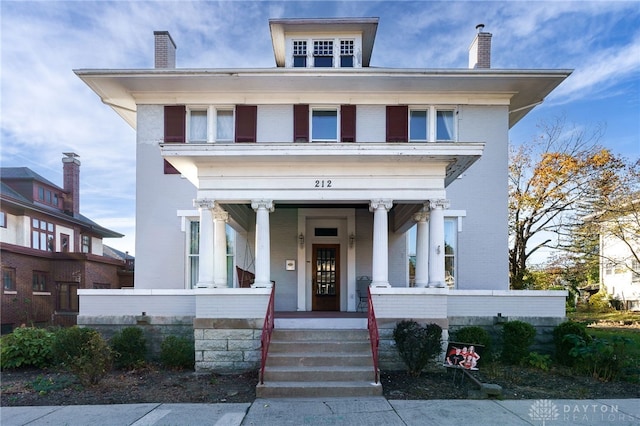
[(352, 239), (301, 239)]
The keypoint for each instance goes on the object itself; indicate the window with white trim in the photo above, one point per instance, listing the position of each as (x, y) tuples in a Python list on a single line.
[(300, 53), (346, 53), (324, 124), (323, 53), (42, 235), (193, 254), (432, 124), (210, 124)]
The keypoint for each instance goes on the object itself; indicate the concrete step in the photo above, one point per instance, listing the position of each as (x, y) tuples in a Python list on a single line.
[(318, 373), (336, 359), (318, 389), (320, 334)]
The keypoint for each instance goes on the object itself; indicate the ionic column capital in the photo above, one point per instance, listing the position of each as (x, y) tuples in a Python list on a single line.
[(438, 204), (265, 204), (204, 203), (376, 204), (220, 215), (421, 216)]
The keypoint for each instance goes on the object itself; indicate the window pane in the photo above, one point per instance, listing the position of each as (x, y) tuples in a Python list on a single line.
[(418, 125), (444, 125), (323, 61), (63, 297), (346, 61), (73, 302), (50, 227), (224, 125), (41, 194), (198, 126), (35, 240), (324, 125), (300, 61), (194, 240)]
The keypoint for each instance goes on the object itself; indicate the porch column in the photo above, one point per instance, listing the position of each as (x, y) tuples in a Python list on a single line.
[(380, 264), (422, 247), (436, 242), (263, 245), (205, 248), (220, 218)]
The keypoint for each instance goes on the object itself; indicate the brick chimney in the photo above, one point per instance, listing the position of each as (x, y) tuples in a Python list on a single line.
[(165, 50), (480, 50), (71, 172)]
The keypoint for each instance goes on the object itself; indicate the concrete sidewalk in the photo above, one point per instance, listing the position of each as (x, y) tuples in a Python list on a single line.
[(337, 411)]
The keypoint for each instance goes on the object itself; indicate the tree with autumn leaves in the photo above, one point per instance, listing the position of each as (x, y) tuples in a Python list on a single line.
[(556, 182)]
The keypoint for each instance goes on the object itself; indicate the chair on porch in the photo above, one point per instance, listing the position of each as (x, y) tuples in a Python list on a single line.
[(362, 283), (246, 278)]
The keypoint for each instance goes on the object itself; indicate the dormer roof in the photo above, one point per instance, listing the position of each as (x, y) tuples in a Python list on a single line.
[(279, 27)]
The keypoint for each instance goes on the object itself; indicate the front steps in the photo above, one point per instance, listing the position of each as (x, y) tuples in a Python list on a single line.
[(319, 363)]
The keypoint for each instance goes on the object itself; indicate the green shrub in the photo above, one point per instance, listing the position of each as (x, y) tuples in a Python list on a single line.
[(83, 352), (536, 360), (517, 337), (563, 345), (25, 347), (477, 336), (129, 348), (604, 359), (177, 352), (417, 345), (599, 302)]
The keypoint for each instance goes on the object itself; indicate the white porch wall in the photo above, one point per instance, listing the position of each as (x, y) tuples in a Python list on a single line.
[(284, 245), (482, 191), (160, 244), (364, 242)]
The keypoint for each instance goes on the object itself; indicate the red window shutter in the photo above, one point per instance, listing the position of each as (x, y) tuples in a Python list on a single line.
[(246, 123), (397, 123), (301, 123), (174, 123), (348, 123), (174, 131)]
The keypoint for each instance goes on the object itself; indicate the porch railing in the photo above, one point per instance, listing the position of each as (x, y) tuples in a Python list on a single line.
[(374, 337), (265, 339)]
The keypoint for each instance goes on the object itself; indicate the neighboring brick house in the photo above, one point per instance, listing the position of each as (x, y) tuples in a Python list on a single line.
[(314, 174), (49, 250)]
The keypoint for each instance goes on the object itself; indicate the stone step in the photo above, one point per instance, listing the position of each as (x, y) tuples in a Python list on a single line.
[(337, 359), (319, 346), (318, 389), (318, 373)]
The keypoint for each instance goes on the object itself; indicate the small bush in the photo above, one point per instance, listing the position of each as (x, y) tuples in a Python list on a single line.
[(25, 347), (563, 345), (83, 352), (477, 336), (603, 359), (177, 352), (518, 336), (599, 302), (417, 345), (129, 348), (536, 360)]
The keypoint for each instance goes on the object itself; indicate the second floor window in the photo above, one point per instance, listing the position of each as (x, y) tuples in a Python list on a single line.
[(42, 235), (431, 124), (324, 125), (210, 124), (86, 244), (346, 53), (3, 220)]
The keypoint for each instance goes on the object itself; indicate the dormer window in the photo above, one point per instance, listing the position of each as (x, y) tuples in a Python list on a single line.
[(323, 53), (300, 53), (346, 53)]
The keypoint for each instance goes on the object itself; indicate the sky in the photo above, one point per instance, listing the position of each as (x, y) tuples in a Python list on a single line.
[(45, 109)]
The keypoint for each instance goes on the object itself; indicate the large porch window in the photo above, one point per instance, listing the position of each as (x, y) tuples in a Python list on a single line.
[(450, 252), (193, 254)]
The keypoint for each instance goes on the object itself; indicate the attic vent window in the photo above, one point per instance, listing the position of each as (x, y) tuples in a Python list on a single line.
[(346, 53), (323, 53), (300, 53)]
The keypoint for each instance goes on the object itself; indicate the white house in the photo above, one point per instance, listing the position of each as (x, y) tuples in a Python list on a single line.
[(619, 266), (312, 175)]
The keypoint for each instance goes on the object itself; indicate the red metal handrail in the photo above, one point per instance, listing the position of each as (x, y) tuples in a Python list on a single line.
[(374, 336), (265, 339)]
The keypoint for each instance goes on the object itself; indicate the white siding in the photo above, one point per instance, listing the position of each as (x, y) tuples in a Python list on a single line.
[(160, 244)]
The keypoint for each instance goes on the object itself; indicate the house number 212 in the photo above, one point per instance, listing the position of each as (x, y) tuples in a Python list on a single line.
[(323, 183)]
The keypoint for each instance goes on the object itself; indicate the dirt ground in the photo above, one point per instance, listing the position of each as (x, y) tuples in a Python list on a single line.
[(152, 384)]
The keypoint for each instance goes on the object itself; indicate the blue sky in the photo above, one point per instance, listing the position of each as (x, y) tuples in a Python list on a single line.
[(46, 110)]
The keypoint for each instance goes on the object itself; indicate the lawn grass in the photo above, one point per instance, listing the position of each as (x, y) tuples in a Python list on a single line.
[(589, 317)]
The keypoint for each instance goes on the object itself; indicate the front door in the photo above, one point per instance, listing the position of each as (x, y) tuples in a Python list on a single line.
[(326, 277)]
